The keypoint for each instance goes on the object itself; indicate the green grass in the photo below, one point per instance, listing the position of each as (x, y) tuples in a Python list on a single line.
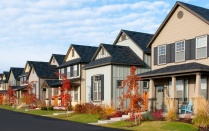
[(82, 118), (153, 126)]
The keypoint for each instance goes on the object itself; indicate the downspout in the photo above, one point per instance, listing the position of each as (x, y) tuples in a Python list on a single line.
[(80, 82)]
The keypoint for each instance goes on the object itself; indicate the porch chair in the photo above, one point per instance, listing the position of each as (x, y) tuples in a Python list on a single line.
[(187, 108)]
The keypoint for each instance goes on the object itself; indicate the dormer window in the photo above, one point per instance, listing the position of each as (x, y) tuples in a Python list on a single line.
[(73, 53)]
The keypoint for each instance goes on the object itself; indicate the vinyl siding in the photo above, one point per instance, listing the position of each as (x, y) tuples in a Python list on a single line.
[(106, 70), (69, 57), (100, 55)]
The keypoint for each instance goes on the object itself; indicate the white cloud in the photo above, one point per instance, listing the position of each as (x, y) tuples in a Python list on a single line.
[(33, 30)]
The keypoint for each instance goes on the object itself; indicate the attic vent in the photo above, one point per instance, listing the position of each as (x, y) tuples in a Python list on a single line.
[(180, 14)]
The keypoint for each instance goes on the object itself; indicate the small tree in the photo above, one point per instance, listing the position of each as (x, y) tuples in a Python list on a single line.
[(65, 96), (136, 100)]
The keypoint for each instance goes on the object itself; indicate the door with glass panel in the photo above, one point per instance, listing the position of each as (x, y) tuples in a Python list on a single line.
[(159, 96)]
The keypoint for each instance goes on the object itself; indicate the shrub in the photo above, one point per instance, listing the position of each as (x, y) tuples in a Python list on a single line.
[(109, 110), (201, 117), (117, 114), (158, 115), (147, 116), (43, 108), (50, 108), (78, 108), (172, 107)]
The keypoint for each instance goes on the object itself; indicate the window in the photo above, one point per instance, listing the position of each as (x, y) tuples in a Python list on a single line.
[(201, 47), (182, 90), (76, 94), (123, 37), (204, 87), (97, 88), (180, 51), (162, 54), (145, 84), (34, 89), (73, 53), (62, 72), (102, 50), (68, 72), (75, 70), (119, 83)]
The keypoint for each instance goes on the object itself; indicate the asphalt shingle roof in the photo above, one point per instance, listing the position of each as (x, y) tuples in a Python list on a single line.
[(51, 82), (118, 55), (59, 58), (203, 12), (141, 39), (176, 69), (85, 52), (17, 72), (44, 70)]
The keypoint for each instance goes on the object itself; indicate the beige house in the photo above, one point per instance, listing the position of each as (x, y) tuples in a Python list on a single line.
[(180, 51), (4, 81)]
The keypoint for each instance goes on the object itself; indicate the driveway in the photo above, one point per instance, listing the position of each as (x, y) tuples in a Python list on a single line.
[(15, 121)]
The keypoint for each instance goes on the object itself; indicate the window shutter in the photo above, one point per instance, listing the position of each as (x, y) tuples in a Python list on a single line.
[(71, 71), (187, 50), (92, 88), (172, 52), (155, 55), (102, 87), (65, 71), (78, 70), (193, 48), (168, 53), (208, 45)]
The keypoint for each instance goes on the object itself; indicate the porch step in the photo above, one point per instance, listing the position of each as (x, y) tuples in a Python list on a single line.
[(105, 121), (118, 119), (126, 116)]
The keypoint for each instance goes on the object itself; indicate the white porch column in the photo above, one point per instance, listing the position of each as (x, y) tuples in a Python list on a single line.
[(173, 88), (197, 85), (152, 99)]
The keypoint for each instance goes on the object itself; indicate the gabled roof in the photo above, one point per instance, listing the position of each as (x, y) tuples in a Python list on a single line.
[(6, 73), (176, 69), (44, 70), (139, 38), (201, 13), (16, 72), (85, 53), (59, 58), (120, 55)]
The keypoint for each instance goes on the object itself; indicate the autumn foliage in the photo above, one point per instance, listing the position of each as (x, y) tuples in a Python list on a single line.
[(11, 96), (132, 92)]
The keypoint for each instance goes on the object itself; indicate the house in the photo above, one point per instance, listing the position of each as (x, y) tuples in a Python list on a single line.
[(76, 58), (180, 50), (50, 91), (40, 71), (3, 81), (14, 81), (111, 64)]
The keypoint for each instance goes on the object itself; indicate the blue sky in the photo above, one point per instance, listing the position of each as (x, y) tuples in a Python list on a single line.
[(35, 29)]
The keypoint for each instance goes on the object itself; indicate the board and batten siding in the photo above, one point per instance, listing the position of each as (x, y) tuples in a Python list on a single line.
[(69, 57), (102, 54), (11, 79), (180, 29), (121, 73), (133, 46), (106, 71)]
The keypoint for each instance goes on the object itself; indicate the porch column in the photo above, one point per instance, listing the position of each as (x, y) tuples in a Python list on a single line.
[(197, 85), (173, 88), (152, 99)]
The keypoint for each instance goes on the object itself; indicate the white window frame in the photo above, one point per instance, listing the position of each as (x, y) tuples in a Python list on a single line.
[(201, 47), (62, 72), (179, 51), (68, 72), (75, 94), (163, 54), (75, 69), (97, 89)]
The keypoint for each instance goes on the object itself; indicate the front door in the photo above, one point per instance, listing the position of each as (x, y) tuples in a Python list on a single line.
[(159, 96)]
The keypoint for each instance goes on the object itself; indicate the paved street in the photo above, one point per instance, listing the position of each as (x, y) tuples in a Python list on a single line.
[(15, 121)]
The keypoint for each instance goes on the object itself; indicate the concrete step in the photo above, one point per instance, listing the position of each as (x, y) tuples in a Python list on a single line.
[(126, 116), (105, 121), (118, 119)]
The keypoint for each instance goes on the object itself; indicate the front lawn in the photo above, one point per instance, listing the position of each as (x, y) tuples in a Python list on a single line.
[(153, 126)]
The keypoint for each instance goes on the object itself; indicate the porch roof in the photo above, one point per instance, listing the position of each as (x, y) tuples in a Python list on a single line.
[(18, 87), (58, 83), (176, 70)]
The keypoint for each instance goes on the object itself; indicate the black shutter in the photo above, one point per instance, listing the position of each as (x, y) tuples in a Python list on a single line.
[(65, 71), (168, 53), (172, 52), (187, 50), (102, 87), (78, 70), (155, 55), (193, 48), (71, 71), (92, 88), (208, 45)]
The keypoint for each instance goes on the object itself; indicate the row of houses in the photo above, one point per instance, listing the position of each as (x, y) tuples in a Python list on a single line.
[(173, 63)]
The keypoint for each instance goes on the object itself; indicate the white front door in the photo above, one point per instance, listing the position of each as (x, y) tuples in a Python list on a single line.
[(159, 96)]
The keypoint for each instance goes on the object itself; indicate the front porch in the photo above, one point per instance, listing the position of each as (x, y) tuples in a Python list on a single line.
[(181, 82)]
